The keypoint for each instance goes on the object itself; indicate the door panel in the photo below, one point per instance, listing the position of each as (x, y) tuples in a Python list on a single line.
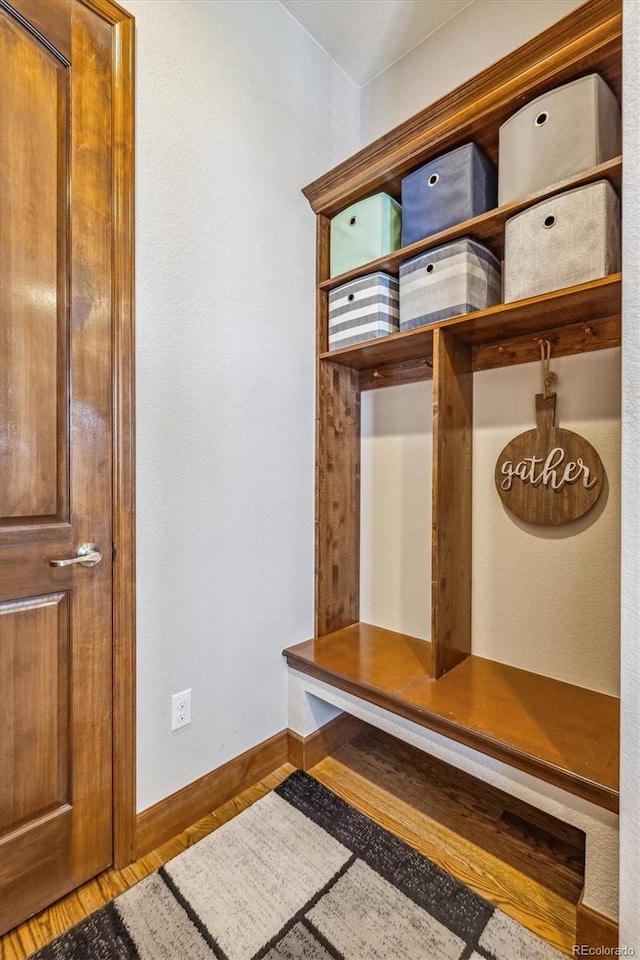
[(55, 453), (33, 300), (34, 708)]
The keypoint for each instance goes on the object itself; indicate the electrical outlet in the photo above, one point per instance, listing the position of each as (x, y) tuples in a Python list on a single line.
[(180, 709)]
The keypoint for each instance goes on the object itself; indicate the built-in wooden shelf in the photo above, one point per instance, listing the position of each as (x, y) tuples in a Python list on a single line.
[(574, 319), (555, 731), (589, 42), (563, 734), (488, 228)]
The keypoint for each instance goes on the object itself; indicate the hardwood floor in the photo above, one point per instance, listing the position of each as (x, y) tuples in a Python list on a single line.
[(45, 926), (526, 863)]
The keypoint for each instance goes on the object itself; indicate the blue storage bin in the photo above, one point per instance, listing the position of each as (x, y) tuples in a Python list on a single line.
[(450, 189)]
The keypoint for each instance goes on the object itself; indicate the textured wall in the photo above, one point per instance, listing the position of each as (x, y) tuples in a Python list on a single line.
[(479, 35), (630, 773), (546, 601), (237, 108), (396, 508)]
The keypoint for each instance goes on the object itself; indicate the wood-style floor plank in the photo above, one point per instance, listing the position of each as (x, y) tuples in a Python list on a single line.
[(524, 862), (461, 826), (56, 919)]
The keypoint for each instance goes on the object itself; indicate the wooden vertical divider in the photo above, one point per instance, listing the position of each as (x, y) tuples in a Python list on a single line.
[(337, 579), (452, 491)]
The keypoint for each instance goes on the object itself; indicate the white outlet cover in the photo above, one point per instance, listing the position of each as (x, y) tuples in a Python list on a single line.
[(180, 709)]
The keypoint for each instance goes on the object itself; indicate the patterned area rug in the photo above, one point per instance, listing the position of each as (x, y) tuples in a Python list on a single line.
[(300, 875)]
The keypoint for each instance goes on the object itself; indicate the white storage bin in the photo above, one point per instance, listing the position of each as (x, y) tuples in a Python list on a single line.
[(448, 281), (363, 309), (569, 239), (567, 130)]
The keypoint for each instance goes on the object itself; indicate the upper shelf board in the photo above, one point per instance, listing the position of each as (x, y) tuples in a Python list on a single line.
[(572, 307), (588, 40), (488, 228)]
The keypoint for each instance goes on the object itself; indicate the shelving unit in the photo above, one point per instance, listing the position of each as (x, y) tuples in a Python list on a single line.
[(559, 732)]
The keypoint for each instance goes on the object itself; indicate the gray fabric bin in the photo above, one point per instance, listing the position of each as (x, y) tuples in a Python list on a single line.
[(363, 309), (559, 134), (448, 281), (568, 239)]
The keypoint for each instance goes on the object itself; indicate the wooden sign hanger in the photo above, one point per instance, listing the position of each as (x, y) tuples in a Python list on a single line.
[(549, 475)]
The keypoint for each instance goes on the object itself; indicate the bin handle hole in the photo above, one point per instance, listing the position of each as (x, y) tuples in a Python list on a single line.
[(430, 268), (549, 221), (353, 221), (542, 118), (351, 297), (433, 179)]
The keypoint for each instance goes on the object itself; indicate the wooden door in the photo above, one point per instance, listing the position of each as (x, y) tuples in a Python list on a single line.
[(56, 451)]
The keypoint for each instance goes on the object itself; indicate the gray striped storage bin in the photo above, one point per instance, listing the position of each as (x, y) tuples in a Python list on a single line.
[(569, 239), (363, 309), (448, 281), (562, 132)]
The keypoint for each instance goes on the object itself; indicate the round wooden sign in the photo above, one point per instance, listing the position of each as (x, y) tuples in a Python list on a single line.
[(549, 475)]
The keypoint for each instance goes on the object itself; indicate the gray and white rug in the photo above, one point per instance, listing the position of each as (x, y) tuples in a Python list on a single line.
[(300, 875)]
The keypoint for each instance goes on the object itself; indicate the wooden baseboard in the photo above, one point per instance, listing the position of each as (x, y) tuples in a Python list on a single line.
[(594, 930), (305, 752), (183, 808)]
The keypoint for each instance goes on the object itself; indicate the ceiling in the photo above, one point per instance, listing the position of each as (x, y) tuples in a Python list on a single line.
[(365, 37)]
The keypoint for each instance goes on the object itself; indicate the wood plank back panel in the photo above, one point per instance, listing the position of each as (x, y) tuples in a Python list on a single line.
[(34, 233), (452, 492), (409, 371)]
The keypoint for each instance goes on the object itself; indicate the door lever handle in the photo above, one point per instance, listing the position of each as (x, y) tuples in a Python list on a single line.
[(88, 555)]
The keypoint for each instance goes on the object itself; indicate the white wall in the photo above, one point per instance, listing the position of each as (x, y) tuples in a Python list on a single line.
[(479, 35), (395, 490), (630, 694), (546, 601), (237, 109)]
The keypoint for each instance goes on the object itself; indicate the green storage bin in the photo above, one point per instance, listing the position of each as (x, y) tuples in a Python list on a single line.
[(366, 230)]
